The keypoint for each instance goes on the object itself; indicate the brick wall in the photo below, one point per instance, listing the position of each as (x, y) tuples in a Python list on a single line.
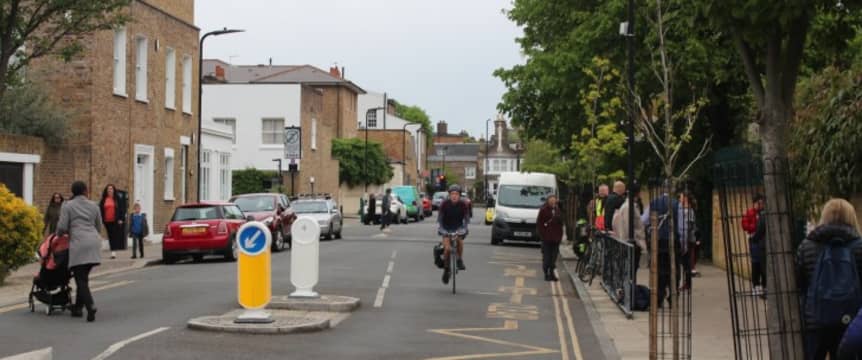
[(316, 163), (457, 169), (183, 9), (339, 110), (394, 147)]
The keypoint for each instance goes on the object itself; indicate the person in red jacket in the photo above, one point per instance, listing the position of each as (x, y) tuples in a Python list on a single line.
[(756, 244), (549, 226)]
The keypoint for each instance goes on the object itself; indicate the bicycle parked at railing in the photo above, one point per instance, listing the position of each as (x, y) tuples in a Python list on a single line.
[(590, 264)]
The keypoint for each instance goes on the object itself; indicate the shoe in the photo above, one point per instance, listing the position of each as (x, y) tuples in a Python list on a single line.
[(553, 276), (76, 312), (135, 257), (460, 264), (548, 277), (446, 276), (757, 291), (91, 314)]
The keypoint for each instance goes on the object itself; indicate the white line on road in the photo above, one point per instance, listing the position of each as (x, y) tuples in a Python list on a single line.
[(42, 354), (381, 293), (119, 345)]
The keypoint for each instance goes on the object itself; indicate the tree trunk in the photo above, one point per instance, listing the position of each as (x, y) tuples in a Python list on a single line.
[(783, 311)]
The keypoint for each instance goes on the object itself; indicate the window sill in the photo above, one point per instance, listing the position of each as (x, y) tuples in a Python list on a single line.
[(124, 96), (170, 108), (271, 147), (142, 101), (187, 113), (170, 199)]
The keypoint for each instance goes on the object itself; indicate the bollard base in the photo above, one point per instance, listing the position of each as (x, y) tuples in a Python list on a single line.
[(254, 317), (304, 294)]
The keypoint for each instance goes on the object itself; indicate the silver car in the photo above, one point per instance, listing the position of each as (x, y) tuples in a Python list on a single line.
[(325, 212)]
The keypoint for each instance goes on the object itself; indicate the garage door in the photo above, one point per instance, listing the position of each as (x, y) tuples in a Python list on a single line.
[(12, 175)]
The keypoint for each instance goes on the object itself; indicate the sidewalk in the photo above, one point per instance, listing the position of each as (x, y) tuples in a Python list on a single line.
[(18, 284), (712, 337)]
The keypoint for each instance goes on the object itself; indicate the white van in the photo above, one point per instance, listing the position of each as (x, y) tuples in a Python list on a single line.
[(519, 198)]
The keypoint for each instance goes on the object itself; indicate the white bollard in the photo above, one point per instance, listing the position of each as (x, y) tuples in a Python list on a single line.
[(305, 257)]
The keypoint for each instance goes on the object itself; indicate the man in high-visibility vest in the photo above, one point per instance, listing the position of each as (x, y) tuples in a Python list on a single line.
[(596, 209)]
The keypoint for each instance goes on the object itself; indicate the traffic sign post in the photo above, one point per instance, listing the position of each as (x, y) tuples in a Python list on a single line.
[(305, 257), (292, 143), (254, 272)]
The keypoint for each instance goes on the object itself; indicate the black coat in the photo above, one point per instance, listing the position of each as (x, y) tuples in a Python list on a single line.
[(613, 203), (121, 198), (809, 250)]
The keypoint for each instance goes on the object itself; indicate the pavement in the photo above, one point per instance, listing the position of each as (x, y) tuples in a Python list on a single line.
[(502, 308), (712, 338)]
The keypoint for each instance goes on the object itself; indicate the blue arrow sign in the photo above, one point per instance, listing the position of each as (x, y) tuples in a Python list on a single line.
[(251, 240)]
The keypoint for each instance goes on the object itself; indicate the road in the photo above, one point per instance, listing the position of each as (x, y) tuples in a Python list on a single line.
[(503, 308)]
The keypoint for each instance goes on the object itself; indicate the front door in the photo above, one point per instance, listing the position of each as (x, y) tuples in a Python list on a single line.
[(12, 175), (144, 180)]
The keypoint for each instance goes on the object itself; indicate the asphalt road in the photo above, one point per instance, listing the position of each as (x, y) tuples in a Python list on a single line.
[(503, 307)]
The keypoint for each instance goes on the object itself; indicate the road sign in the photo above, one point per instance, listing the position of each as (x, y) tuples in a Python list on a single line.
[(254, 271), (292, 142), (305, 257)]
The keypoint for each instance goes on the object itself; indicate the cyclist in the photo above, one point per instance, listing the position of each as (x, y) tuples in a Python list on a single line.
[(453, 217)]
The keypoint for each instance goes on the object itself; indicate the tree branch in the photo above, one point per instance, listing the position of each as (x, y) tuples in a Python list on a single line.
[(750, 66), (793, 56), (700, 155)]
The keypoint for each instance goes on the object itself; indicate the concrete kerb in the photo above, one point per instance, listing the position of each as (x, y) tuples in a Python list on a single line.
[(326, 303), (608, 348), (285, 322)]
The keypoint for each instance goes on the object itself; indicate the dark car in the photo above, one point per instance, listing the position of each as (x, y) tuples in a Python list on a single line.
[(207, 228), (274, 211)]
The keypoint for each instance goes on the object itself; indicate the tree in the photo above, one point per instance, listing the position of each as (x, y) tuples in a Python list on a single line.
[(541, 156), (770, 39), (351, 155), (27, 110), (251, 180), (415, 114), (30, 29)]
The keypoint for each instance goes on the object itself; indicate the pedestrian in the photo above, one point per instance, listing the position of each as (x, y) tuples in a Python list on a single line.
[(755, 226), (596, 209), (139, 229), (113, 208), (372, 209), (613, 203), (694, 240), (80, 218), (549, 226), (621, 226), (385, 211), (685, 228), (829, 269), (663, 207), (52, 213)]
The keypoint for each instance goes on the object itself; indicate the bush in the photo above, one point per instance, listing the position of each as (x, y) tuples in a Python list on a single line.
[(351, 156), (20, 232), (252, 180), (27, 110)]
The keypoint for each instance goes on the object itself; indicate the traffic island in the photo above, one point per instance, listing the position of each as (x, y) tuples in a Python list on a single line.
[(325, 303), (284, 322)]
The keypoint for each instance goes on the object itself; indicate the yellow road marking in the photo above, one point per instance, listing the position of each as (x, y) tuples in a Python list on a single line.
[(103, 287), (507, 326), (576, 346), (561, 332)]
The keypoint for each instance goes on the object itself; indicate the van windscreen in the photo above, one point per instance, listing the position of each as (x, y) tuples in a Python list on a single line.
[(523, 196)]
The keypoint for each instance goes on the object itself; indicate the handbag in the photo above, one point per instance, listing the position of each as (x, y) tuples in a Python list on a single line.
[(438, 256)]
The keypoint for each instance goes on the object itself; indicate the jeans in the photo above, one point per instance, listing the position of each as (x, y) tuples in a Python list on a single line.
[(137, 244), (83, 296), (385, 218), (550, 252), (820, 342)]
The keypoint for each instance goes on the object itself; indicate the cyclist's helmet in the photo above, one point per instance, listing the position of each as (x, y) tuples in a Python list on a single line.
[(455, 188)]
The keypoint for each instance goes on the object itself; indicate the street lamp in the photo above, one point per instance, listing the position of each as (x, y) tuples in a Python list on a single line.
[(404, 151), (200, 94), (370, 115), (280, 180), (487, 151)]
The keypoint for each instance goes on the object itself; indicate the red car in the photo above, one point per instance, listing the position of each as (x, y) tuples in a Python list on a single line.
[(426, 205), (201, 229), (274, 211)]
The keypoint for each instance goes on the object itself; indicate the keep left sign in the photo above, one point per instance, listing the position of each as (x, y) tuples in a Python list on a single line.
[(254, 265)]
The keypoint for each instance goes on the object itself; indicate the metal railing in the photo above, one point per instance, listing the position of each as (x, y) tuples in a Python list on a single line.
[(617, 271)]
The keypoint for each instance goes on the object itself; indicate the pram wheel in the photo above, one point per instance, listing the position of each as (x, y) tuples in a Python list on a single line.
[(49, 310)]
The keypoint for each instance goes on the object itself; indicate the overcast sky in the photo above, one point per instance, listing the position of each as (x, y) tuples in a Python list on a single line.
[(439, 55)]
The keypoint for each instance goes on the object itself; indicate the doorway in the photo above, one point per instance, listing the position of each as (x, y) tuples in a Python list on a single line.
[(144, 184)]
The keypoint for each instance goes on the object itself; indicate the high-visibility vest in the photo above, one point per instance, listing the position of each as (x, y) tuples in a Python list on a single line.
[(600, 214)]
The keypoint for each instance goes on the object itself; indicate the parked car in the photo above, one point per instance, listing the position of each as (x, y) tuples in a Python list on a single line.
[(274, 211), (207, 228), (438, 199), (410, 196), (396, 208), (325, 212), (426, 205)]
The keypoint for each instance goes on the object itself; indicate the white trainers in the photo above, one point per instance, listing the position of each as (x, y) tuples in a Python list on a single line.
[(758, 291)]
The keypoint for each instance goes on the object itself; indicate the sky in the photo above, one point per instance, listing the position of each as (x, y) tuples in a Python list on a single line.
[(439, 55)]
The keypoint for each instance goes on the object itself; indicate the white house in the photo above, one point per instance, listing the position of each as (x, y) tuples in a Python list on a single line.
[(501, 155), (216, 159)]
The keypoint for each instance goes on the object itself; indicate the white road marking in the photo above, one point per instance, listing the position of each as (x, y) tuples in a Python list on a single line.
[(381, 293), (41, 354), (119, 345)]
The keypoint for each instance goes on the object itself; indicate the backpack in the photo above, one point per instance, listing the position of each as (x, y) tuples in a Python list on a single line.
[(641, 300), (438, 256), (834, 294)]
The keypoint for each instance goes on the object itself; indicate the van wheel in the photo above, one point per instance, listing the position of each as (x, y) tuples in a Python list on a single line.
[(496, 241)]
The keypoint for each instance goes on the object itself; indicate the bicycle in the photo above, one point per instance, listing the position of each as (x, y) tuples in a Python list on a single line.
[(453, 255), (594, 256)]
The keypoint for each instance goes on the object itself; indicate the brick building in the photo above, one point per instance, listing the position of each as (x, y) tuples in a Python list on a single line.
[(398, 146), (442, 136), (134, 100), (459, 161)]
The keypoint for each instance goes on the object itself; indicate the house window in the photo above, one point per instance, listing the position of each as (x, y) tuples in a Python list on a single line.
[(497, 165), (313, 134), (184, 155), (224, 176), (171, 79), (141, 69), (169, 174), (120, 61), (231, 123), (273, 131), (371, 121), (187, 85), (470, 172), (205, 175)]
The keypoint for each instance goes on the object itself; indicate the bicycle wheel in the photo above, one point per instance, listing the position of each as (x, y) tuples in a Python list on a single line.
[(453, 268), (581, 267)]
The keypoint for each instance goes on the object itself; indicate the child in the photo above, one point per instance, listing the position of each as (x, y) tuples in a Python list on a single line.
[(138, 229)]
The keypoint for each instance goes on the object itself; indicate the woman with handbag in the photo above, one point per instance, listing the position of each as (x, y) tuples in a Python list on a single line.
[(549, 226), (113, 209)]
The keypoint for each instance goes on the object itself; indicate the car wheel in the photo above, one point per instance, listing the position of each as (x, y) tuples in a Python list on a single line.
[(278, 241), (233, 250), (168, 259), (329, 233), (340, 228), (496, 241), (197, 258)]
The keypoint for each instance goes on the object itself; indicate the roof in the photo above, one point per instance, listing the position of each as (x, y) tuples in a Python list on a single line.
[(455, 152), (276, 74)]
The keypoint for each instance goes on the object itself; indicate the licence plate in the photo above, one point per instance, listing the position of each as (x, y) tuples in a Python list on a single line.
[(523, 234), (194, 230)]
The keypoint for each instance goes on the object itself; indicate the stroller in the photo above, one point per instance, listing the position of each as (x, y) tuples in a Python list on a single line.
[(51, 284)]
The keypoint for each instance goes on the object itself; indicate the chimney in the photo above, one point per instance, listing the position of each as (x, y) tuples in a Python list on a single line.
[(219, 73), (270, 62), (500, 134), (333, 70), (442, 128)]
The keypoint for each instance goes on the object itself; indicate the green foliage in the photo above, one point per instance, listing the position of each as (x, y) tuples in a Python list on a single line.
[(20, 232), (251, 181), (38, 28), (541, 156), (27, 110), (415, 114), (825, 146), (351, 156)]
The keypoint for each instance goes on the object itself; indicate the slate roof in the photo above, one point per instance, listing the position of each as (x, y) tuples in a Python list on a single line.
[(276, 74)]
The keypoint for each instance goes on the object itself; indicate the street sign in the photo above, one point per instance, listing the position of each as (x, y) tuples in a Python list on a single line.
[(305, 257), (254, 272), (292, 143)]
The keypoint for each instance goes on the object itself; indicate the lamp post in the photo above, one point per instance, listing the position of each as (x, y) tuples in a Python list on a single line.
[(404, 151), (518, 149), (200, 94), (280, 180), (370, 115), (487, 151)]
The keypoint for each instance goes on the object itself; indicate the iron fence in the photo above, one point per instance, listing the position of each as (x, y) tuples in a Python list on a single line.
[(617, 272)]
